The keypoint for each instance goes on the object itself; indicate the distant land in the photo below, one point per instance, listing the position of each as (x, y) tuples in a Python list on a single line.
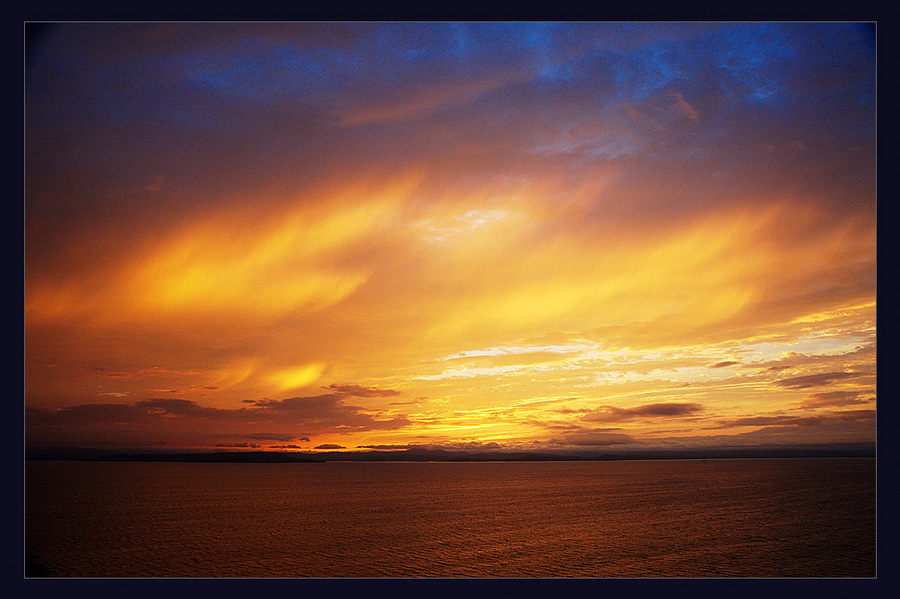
[(440, 455)]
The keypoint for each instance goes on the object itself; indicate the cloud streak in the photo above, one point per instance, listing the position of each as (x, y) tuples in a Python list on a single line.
[(815, 380), (835, 399), (658, 410)]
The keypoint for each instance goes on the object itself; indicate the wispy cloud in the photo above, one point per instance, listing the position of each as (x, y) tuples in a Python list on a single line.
[(657, 410), (815, 380), (836, 398), (801, 421)]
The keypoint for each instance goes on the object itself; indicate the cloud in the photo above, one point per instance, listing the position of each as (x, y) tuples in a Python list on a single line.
[(773, 420), (330, 446), (327, 411), (447, 445), (462, 445), (362, 391), (815, 380), (835, 399), (180, 407), (657, 410), (800, 421), (723, 364), (593, 438), (856, 354), (300, 405), (273, 437), (241, 445), (420, 101), (850, 426), (320, 414), (685, 109)]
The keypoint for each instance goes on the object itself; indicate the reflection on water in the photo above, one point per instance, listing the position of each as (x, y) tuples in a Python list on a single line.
[(672, 518)]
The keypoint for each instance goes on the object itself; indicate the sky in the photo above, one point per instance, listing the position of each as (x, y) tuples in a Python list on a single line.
[(489, 235)]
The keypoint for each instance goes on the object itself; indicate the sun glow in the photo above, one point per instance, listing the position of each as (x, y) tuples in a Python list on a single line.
[(295, 378)]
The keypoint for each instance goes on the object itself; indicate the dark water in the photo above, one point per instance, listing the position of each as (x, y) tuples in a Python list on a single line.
[(678, 518)]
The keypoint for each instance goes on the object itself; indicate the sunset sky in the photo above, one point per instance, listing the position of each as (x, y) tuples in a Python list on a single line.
[(537, 236)]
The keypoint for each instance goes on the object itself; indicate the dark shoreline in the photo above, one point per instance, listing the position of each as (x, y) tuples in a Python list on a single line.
[(442, 455)]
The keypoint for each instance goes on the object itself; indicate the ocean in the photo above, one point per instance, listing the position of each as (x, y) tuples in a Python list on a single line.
[(720, 518)]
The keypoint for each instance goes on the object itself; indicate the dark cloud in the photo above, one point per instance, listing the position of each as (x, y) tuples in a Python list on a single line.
[(815, 380), (663, 410), (240, 445), (361, 391), (853, 426), (463, 445), (273, 437), (325, 411), (180, 407), (300, 405), (449, 446), (560, 425), (316, 414), (723, 364), (801, 421), (855, 415), (593, 438), (330, 446), (835, 399), (568, 410), (774, 420)]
